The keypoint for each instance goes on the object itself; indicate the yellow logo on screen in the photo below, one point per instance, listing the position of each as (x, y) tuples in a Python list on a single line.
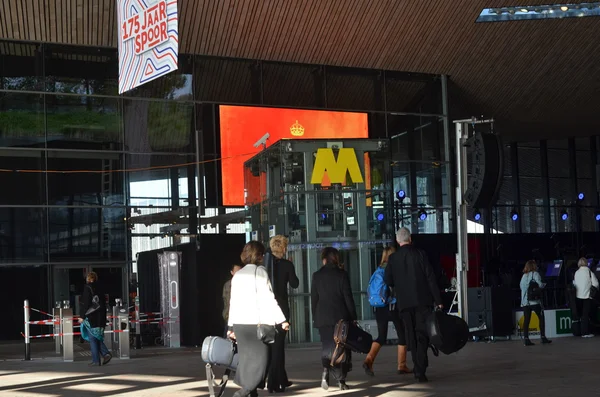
[(346, 164), (296, 129)]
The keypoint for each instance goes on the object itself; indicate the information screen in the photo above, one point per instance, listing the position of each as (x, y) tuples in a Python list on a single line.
[(243, 126), (553, 269)]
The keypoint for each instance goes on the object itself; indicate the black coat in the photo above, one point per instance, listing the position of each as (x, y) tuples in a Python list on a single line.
[(97, 318), (413, 279), (284, 274), (331, 297)]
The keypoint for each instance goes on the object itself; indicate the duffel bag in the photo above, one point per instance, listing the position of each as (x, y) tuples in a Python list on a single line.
[(220, 352), (447, 333), (349, 335)]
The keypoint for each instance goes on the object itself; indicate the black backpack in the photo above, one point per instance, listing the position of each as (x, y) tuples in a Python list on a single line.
[(534, 292)]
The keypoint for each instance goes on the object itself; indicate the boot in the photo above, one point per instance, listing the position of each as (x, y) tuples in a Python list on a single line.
[(368, 364), (402, 368)]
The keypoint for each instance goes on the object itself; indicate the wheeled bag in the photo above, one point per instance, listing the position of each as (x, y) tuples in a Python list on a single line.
[(220, 352), (349, 335), (447, 333)]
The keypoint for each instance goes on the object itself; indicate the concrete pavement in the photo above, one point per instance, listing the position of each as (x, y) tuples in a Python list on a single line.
[(567, 367)]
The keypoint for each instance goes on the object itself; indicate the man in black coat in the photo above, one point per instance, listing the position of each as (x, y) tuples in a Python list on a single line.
[(412, 277)]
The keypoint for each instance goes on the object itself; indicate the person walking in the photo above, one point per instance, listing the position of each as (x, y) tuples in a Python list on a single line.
[(331, 301), (283, 275), (227, 294), (253, 315), (585, 282), (412, 277), (383, 315), (93, 320), (531, 285)]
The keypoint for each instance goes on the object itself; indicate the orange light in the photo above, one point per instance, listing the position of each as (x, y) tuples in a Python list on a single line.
[(242, 126)]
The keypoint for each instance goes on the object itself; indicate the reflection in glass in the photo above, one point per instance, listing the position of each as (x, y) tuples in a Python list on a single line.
[(83, 122), (22, 188), (21, 120), (21, 66)]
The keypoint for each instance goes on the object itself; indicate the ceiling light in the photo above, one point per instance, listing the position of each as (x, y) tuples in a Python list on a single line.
[(564, 215), (514, 215), (564, 8), (524, 10), (422, 215), (477, 215)]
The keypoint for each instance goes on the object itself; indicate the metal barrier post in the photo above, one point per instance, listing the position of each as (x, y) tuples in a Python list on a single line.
[(123, 336), (138, 325), (26, 316), (108, 341), (67, 332), (115, 327), (57, 337)]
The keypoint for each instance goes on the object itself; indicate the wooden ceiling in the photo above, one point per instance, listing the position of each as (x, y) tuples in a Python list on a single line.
[(536, 77)]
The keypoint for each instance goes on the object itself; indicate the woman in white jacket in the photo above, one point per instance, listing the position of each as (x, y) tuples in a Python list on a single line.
[(583, 281), (252, 304)]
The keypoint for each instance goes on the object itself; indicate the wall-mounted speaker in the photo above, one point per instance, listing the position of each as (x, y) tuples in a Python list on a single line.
[(486, 171)]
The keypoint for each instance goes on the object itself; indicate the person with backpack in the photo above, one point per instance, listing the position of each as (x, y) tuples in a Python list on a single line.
[(531, 300), (381, 298)]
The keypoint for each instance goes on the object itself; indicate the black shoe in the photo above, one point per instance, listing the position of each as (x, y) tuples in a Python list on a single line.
[(325, 379), (421, 378), (528, 342), (545, 341), (107, 359), (343, 386), (368, 371), (289, 384), (434, 350)]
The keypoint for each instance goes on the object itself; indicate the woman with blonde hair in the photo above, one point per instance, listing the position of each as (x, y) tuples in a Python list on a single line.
[(283, 275), (531, 301), (383, 315), (253, 316), (586, 284)]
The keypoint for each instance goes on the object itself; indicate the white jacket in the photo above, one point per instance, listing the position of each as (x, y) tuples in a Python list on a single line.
[(584, 279), (252, 300)]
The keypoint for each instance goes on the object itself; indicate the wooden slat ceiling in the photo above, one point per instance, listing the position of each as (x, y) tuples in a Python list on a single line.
[(541, 73)]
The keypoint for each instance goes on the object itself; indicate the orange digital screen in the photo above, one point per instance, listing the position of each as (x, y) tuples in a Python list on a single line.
[(242, 126)]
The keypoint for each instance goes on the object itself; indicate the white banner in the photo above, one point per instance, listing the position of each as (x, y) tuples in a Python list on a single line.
[(148, 41)]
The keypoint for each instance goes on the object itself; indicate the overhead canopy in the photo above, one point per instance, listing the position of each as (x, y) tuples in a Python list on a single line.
[(537, 77)]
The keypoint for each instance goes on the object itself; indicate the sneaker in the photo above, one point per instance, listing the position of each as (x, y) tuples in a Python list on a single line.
[(107, 359), (588, 336)]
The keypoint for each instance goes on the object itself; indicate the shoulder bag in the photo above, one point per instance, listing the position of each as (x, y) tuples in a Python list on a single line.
[(95, 302), (593, 290), (265, 333)]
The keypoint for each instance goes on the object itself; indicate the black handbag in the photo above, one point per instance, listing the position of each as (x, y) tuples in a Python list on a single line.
[(593, 290), (534, 292), (265, 333)]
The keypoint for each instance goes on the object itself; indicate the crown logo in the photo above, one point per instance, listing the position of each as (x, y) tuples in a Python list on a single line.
[(296, 129)]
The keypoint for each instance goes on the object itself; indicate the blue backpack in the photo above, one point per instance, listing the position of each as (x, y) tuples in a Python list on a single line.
[(377, 291)]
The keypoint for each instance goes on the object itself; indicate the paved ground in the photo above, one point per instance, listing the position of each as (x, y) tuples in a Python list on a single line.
[(567, 367)]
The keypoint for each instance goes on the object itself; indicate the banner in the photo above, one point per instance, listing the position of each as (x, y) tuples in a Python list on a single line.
[(148, 41)]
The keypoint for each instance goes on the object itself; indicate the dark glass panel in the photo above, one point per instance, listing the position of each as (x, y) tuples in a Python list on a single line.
[(102, 184), (83, 122), (153, 126), (226, 80), (22, 235), (22, 177), (81, 70), (21, 66), (21, 120)]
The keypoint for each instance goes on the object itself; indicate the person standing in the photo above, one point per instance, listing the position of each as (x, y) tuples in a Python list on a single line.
[(252, 304), (283, 275), (383, 315), (530, 280), (93, 320), (331, 301), (584, 280), (412, 277), (227, 294)]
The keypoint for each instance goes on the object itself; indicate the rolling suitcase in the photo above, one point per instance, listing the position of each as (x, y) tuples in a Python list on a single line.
[(447, 333), (349, 335), (220, 352)]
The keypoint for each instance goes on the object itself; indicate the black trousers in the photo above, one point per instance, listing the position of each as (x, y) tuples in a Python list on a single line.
[(540, 313), (254, 359), (416, 334), (277, 375), (586, 307), (383, 315), (327, 347)]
